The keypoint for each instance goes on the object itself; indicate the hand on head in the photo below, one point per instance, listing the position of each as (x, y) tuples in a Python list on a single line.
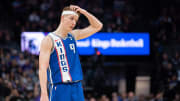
[(77, 9)]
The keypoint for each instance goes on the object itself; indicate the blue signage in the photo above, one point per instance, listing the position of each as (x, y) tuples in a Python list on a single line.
[(105, 43), (115, 44)]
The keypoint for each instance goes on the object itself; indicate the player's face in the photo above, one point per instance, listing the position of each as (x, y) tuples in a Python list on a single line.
[(70, 21)]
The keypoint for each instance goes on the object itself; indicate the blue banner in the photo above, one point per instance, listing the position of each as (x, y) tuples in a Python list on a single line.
[(105, 43), (115, 44)]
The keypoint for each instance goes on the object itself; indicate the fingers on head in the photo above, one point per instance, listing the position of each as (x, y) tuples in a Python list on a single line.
[(74, 8)]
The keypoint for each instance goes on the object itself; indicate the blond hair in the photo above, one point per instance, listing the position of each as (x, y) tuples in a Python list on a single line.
[(67, 8)]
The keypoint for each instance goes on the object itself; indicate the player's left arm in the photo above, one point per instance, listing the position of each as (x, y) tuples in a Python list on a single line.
[(95, 24)]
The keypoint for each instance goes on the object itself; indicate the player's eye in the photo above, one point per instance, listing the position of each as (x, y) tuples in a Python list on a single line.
[(71, 18)]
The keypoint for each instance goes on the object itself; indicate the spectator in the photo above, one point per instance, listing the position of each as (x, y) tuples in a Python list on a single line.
[(124, 96), (115, 97), (177, 97), (176, 60), (172, 88), (131, 97), (33, 17), (104, 98), (92, 99)]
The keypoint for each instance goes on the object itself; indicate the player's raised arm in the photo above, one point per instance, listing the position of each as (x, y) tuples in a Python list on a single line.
[(44, 56), (95, 24)]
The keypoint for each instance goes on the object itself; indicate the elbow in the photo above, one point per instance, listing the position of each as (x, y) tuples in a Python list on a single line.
[(100, 26), (97, 27)]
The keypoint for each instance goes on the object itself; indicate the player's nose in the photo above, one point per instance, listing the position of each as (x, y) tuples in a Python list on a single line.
[(74, 23)]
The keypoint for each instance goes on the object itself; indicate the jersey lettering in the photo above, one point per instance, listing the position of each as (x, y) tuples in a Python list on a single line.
[(61, 50), (65, 69), (61, 56), (58, 43), (72, 47), (63, 63)]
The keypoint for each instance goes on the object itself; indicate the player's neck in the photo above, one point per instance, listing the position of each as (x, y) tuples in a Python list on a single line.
[(61, 32)]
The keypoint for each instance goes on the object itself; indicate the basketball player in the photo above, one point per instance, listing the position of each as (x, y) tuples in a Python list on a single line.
[(59, 63)]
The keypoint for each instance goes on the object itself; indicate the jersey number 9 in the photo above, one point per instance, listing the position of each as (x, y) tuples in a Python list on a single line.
[(72, 47)]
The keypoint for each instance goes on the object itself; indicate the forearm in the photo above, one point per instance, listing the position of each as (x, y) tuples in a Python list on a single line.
[(45, 51), (94, 22), (43, 80)]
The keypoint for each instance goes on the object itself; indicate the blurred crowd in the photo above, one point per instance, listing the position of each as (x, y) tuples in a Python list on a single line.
[(117, 16), (18, 76), (19, 70), (19, 80)]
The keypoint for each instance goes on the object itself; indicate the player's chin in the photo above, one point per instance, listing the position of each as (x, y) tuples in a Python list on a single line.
[(71, 28)]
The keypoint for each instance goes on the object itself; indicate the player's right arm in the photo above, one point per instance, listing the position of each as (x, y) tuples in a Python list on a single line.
[(45, 51)]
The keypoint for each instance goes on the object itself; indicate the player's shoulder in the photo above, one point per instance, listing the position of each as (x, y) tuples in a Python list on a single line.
[(72, 33), (46, 42), (46, 39)]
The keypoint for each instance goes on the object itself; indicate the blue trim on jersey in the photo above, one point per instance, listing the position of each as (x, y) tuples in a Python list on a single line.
[(55, 69), (67, 61)]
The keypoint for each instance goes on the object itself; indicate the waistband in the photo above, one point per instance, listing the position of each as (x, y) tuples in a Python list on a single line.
[(66, 82)]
